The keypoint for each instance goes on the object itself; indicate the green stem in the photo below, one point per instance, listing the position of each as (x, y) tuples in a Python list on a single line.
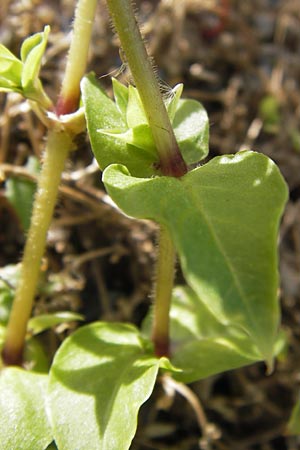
[(76, 65), (171, 161), (58, 146), (57, 149), (163, 293)]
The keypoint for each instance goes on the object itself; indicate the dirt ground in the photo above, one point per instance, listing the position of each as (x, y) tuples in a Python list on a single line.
[(241, 59)]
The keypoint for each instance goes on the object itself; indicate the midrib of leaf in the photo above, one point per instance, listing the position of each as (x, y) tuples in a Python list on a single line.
[(232, 271), (129, 363)]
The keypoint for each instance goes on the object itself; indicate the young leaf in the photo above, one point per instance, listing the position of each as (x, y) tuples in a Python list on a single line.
[(135, 114), (121, 96), (9, 277), (24, 423), (20, 193), (100, 377), (32, 51), (43, 322), (191, 130), (224, 219), (119, 132), (172, 102), (201, 345), (10, 71), (102, 114)]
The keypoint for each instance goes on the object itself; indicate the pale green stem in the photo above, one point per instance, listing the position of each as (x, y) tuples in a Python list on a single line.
[(57, 149), (171, 161), (163, 293), (78, 54)]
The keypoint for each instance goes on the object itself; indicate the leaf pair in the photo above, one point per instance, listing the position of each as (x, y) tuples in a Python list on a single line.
[(120, 133), (22, 75)]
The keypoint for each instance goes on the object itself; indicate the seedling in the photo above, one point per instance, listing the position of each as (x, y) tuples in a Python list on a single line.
[(221, 219)]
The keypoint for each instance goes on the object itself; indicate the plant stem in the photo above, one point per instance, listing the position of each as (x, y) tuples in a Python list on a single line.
[(58, 146), (171, 161), (163, 293), (68, 99)]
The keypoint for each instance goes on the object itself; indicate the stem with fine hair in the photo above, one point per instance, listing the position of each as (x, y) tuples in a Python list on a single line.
[(69, 96), (59, 144), (163, 293), (171, 161)]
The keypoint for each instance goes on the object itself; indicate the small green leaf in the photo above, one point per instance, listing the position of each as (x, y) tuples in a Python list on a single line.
[(121, 97), (102, 114), (10, 71), (100, 377), (32, 51), (9, 277), (43, 322), (172, 101), (20, 192), (135, 113), (191, 130), (35, 356), (224, 219), (24, 423), (294, 422)]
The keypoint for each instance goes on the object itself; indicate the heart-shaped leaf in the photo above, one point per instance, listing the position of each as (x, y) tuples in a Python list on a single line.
[(224, 219), (100, 377), (24, 423)]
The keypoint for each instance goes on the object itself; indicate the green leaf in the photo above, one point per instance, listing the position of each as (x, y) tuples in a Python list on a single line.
[(10, 71), (43, 322), (294, 422), (100, 377), (119, 132), (24, 423), (201, 345), (20, 192), (172, 102), (191, 130), (121, 95), (9, 277), (135, 113), (224, 219), (103, 116), (32, 51)]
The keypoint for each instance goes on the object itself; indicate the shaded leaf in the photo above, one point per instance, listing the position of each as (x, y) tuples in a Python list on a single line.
[(43, 322), (294, 422), (202, 346), (20, 193), (100, 377)]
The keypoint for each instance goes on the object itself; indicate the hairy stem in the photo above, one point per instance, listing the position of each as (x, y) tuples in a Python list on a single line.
[(171, 161), (163, 293), (76, 65), (58, 146)]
